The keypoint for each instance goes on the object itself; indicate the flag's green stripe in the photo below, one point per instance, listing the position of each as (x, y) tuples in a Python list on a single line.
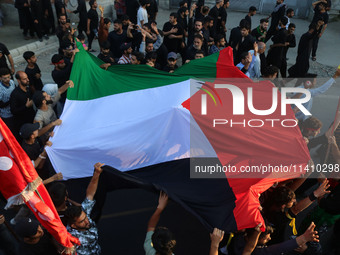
[(92, 82)]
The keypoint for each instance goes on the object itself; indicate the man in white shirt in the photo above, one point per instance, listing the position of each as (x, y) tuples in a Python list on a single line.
[(142, 14)]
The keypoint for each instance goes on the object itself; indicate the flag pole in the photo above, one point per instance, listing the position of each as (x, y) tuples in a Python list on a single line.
[(333, 127)]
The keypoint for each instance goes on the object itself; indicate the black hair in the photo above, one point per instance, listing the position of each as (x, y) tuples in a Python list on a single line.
[(244, 24), (218, 37), (199, 20), (280, 196), (28, 54), (174, 14), (205, 9), (107, 21), (244, 55), (182, 3), (117, 21), (125, 17), (81, 37), (72, 213), (182, 9), (92, 2), (151, 55), (270, 70), (17, 76), (252, 9), (38, 98), (291, 25), (264, 20), (4, 71), (105, 45), (312, 123), (207, 19), (200, 52), (284, 20), (56, 58), (57, 192), (163, 241), (198, 36), (289, 10), (139, 56)]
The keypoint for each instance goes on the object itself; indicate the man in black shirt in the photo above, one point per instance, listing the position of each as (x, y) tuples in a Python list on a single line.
[(261, 31), (223, 14), (37, 16), (319, 13), (116, 38), (152, 10), (215, 14), (81, 9), (62, 71), (173, 34), (92, 23), (106, 55), (251, 13), (277, 14), (3, 54), (33, 71), (246, 42), (291, 44), (21, 103)]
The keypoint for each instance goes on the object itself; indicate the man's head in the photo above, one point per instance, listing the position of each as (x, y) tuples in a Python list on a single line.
[(30, 230), (311, 127), (126, 49), (252, 10), (148, 45), (136, 58), (205, 10), (163, 241), (264, 24), (62, 19), (77, 218), (282, 197), (22, 79), (117, 25), (58, 193), (226, 4), (199, 54), (29, 131), (144, 3), (219, 40), (81, 38), (283, 21), (107, 23), (198, 25), (105, 48), (246, 57), (261, 47), (125, 20), (208, 22), (5, 75), (271, 72), (219, 3), (310, 81), (151, 57), (322, 7), (290, 13), (183, 11), (58, 61), (172, 59), (93, 4), (291, 28), (244, 27), (198, 42), (264, 237), (41, 98), (173, 18), (183, 4), (30, 57), (279, 1)]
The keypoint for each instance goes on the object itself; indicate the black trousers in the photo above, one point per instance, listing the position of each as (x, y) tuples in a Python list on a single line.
[(90, 38), (315, 45)]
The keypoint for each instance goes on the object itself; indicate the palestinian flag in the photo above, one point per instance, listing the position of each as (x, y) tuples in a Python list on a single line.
[(148, 127)]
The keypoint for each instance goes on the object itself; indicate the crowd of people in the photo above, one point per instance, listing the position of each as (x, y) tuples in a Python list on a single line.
[(31, 110)]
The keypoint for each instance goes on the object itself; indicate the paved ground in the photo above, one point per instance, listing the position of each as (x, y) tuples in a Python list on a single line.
[(126, 213)]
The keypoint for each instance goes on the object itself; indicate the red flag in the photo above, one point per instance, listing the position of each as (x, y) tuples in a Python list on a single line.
[(20, 183)]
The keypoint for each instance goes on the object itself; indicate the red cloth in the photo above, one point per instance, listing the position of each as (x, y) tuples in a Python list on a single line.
[(17, 174)]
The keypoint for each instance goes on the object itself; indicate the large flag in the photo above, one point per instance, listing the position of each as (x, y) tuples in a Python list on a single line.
[(20, 183), (146, 124)]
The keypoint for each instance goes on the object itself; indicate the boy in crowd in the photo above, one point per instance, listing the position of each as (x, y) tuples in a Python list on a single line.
[(6, 87), (106, 55), (126, 57), (33, 71), (171, 65), (251, 13)]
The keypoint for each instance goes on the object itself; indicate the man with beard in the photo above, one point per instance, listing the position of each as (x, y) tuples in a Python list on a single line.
[(80, 224), (196, 46), (45, 115), (215, 14), (261, 31), (193, 27), (291, 44), (173, 34), (117, 37), (21, 103), (277, 14)]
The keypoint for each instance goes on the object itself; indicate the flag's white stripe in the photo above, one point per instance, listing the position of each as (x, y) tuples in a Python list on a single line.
[(127, 131)]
